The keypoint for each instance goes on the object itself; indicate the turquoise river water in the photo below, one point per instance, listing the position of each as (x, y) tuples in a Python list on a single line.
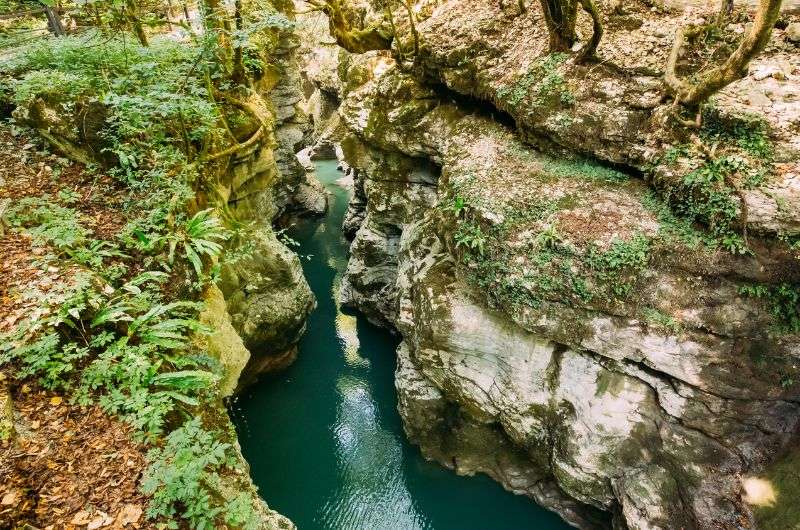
[(324, 439)]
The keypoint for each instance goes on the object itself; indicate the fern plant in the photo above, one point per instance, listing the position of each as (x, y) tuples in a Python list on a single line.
[(124, 345), (471, 236), (48, 223), (199, 237)]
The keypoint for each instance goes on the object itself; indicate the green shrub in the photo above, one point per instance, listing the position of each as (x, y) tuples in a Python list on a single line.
[(50, 84), (48, 223), (183, 478), (105, 337), (122, 345)]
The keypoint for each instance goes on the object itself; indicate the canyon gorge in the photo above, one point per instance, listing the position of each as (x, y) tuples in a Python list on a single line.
[(466, 280)]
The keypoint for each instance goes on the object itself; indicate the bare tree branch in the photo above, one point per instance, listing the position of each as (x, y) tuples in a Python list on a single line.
[(734, 67)]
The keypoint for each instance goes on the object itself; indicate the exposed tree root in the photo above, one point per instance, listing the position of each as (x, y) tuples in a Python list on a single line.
[(253, 106), (238, 147), (590, 49)]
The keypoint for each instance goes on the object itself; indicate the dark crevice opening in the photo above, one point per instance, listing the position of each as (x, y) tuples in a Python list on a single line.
[(472, 105), (486, 109)]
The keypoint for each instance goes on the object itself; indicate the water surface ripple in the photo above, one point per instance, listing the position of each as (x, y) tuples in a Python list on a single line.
[(323, 438)]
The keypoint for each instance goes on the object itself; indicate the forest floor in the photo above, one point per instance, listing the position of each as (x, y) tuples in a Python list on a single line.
[(61, 465)]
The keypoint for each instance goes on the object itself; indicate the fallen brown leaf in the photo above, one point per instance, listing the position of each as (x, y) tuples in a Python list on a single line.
[(81, 518), (10, 499), (129, 514)]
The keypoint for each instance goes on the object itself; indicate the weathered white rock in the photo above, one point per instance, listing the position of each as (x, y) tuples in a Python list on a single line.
[(793, 32), (583, 406)]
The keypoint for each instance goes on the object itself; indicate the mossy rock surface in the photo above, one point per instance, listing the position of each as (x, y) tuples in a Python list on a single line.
[(783, 476), (223, 343)]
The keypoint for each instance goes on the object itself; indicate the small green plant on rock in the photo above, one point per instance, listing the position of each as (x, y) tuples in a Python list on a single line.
[(548, 238), (471, 236), (550, 87), (621, 262), (662, 320), (783, 301), (749, 132), (730, 154), (713, 200)]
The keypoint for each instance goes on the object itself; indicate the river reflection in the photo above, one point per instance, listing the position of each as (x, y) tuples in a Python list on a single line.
[(324, 440)]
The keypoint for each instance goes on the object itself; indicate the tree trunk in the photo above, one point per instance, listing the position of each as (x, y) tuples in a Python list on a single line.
[(725, 10), (54, 21), (734, 67), (560, 17), (133, 16), (354, 40), (238, 74), (590, 49), (98, 20), (414, 34), (215, 20)]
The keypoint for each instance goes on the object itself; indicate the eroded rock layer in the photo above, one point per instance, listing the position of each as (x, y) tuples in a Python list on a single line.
[(564, 332)]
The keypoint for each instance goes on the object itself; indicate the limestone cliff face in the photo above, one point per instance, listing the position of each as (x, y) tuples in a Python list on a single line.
[(267, 297), (391, 189), (266, 294), (301, 192), (563, 331), (615, 110), (321, 58)]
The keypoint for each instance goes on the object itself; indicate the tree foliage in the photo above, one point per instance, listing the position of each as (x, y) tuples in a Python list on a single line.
[(171, 113)]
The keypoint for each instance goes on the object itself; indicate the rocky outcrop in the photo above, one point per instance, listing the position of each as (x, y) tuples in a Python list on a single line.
[(453, 437), (321, 59), (397, 187), (615, 110), (267, 297), (564, 332), (222, 342), (299, 189), (268, 300)]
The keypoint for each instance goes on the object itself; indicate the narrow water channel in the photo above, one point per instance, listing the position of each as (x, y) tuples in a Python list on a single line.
[(324, 439)]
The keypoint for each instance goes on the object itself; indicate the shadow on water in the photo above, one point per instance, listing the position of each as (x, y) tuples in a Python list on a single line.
[(324, 439)]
